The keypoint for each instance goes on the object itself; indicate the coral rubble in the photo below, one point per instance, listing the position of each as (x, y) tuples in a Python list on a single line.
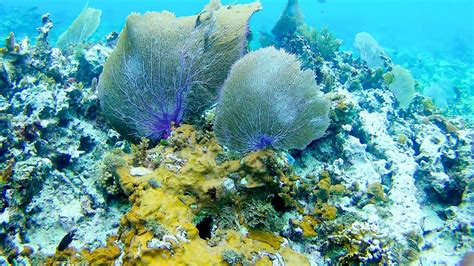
[(52, 142)]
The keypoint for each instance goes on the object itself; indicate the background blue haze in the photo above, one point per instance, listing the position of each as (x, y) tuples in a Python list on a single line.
[(440, 27)]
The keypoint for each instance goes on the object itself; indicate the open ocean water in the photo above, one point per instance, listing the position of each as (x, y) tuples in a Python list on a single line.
[(299, 132)]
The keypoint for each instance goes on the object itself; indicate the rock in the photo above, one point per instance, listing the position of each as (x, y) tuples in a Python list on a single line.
[(140, 171)]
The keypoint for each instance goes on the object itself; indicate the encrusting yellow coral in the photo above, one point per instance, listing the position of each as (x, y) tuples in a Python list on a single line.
[(375, 190), (327, 212), (308, 225), (171, 206), (188, 180), (100, 256)]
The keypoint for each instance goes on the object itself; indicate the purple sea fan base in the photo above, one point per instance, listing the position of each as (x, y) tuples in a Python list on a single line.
[(268, 101), (160, 127), (146, 88), (263, 141)]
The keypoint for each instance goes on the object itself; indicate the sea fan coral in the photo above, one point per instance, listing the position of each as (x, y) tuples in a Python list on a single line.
[(290, 20), (165, 67), (81, 28), (268, 101), (402, 86), (369, 49), (152, 69)]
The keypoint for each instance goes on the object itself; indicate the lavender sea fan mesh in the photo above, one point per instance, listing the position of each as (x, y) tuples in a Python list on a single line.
[(156, 62), (370, 50), (268, 101), (165, 68)]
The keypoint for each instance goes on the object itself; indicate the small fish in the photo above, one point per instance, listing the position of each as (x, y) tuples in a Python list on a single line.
[(67, 239), (322, 1)]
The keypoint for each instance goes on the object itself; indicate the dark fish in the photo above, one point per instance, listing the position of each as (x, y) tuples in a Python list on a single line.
[(67, 239), (321, 1)]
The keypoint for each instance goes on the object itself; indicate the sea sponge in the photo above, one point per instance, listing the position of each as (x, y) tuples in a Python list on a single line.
[(81, 28), (165, 67), (268, 101), (402, 86)]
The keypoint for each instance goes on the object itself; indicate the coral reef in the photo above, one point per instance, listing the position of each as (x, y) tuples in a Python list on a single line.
[(454, 79), (380, 186), (52, 140), (159, 83), (166, 224), (324, 42), (268, 101)]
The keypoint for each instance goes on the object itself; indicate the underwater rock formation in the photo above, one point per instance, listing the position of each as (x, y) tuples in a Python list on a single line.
[(268, 101), (165, 68), (51, 146)]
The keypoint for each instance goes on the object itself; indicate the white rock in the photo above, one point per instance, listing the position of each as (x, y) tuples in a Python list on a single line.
[(140, 171)]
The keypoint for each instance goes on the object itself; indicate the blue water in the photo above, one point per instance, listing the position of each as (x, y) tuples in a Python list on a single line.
[(444, 28)]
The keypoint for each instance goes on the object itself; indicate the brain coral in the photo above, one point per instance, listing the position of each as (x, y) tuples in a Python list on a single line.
[(165, 68), (268, 101)]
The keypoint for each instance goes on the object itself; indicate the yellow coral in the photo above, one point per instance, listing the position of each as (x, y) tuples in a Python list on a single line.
[(338, 189), (307, 224), (256, 168), (402, 139), (376, 191), (327, 212), (266, 237), (101, 256), (323, 188), (187, 174)]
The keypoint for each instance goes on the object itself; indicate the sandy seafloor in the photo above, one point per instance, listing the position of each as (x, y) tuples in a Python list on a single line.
[(384, 184)]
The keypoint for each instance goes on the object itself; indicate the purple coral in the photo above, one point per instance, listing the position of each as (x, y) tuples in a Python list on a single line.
[(164, 69), (263, 141), (269, 102), (152, 75)]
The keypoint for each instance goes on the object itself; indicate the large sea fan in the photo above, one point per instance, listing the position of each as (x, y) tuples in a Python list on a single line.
[(268, 101)]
